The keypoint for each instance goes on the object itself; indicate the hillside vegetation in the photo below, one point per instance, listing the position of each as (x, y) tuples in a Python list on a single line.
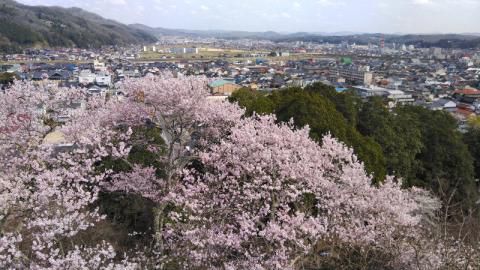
[(39, 26)]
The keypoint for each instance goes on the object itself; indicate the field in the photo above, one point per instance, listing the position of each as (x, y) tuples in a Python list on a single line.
[(226, 54)]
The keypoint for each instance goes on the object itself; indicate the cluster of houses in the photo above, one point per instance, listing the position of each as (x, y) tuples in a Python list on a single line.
[(96, 76), (439, 79), (72, 54), (462, 104)]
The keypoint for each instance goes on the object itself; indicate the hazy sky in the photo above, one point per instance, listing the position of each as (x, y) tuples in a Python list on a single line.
[(387, 16)]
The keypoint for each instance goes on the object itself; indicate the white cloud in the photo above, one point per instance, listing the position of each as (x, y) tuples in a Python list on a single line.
[(205, 8), (117, 2), (422, 2), (330, 3), (285, 15), (468, 3)]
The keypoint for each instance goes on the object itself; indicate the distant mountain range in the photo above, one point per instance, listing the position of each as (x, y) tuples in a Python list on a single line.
[(468, 40), (269, 35), (159, 31), (39, 26), (30, 26)]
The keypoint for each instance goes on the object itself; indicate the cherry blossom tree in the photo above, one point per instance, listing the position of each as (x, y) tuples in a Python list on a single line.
[(187, 118), (45, 197), (264, 194), (270, 193), (235, 192)]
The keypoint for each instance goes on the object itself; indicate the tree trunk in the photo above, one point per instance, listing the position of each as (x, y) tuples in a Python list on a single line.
[(158, 222)]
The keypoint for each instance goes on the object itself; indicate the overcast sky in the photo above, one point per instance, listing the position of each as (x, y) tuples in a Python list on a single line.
[(387, 16)]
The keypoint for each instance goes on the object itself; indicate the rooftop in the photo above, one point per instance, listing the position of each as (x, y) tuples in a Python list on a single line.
[(219, 83), (470, 91)]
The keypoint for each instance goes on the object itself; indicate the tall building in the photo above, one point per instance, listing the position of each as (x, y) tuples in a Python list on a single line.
[(438, 53), (354, 74)]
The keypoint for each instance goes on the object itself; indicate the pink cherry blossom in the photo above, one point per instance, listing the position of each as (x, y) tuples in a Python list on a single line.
[(237, 192)]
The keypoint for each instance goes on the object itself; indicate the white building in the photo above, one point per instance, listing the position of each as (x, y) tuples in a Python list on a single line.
[(86, 77), (184, 50), (355, 74), (130, 73), (95, 90), (103, 79), (99, 66), (442, 104), (396, 96)]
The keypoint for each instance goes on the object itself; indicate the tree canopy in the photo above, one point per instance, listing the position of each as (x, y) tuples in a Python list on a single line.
[(314, 108), (422, 147)]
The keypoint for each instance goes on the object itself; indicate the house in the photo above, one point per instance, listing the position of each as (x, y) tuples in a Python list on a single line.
[(57, 141), (39, 75), (443, 104), (103, 79), (131, 73), (86, 77), (223, 87), (396, 96), (99, 66), (462, 115), (469, 92), (59, 75), (95, 90), (370, 91)]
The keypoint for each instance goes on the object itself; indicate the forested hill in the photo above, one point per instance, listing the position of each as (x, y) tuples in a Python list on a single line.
[(24, 26), (461, 41)]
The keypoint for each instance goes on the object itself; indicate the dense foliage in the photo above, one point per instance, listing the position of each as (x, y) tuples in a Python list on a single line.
[(166, 178), (422, 147), (7, 78), (310, 107)]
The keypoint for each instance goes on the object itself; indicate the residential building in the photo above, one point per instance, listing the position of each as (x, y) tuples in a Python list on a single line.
[(396, 96), (86, 77), (354, 74), (223, 87), (103, 79)]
